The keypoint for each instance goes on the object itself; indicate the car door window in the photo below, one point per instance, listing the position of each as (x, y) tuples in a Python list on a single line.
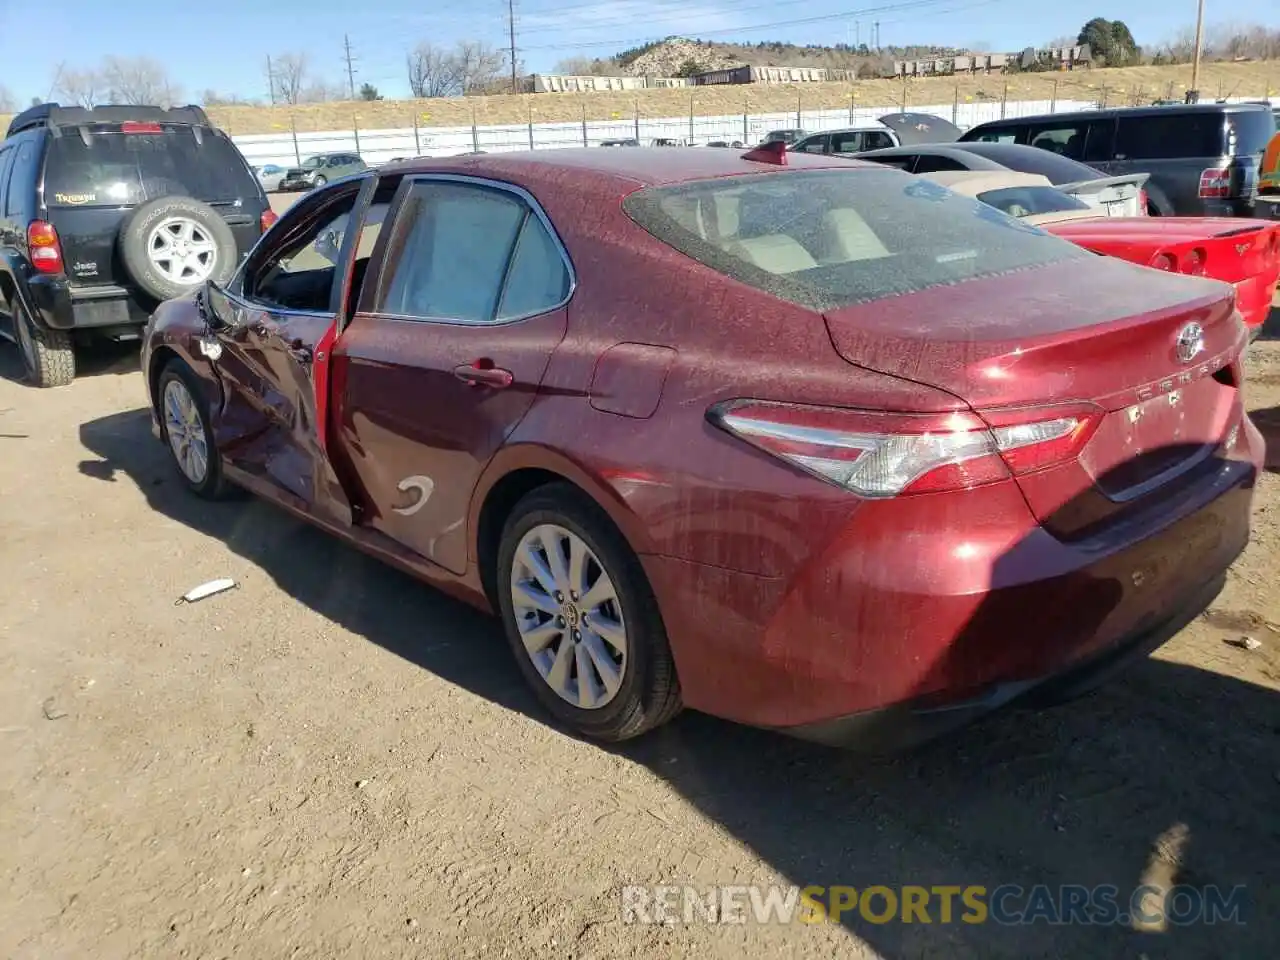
[(449, 253), (876, 140), (1002, 135), (847, 143), (1065, 139), (1099, 144), (934, 164), (814, 145), (299, 275)]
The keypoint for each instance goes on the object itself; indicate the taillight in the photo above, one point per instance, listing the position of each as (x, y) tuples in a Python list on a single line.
[(1165, 261), (1215, 183), (135, 127), (1274, 247), (269, 218), (1142, 203), (46, 251), (1194, 263), (892, 454)]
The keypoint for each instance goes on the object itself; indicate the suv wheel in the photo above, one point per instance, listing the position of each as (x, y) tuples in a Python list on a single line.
[(581, 618), (47, 355), (171, 245)]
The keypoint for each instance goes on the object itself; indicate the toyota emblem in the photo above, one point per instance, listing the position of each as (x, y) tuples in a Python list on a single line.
[(1190, 342)]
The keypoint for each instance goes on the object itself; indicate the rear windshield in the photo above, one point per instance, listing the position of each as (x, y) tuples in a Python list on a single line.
[(1028, 201), (117, 169), (829, 238)]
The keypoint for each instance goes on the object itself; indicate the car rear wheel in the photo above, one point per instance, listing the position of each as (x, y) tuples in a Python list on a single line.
[(581, 618), (184, 425), (171, 245), (321, 179), (47, 355)]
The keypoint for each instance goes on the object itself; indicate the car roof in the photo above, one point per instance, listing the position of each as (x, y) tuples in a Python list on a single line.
[(617, 170), (860, 128), (1113, 112), (973, 182)]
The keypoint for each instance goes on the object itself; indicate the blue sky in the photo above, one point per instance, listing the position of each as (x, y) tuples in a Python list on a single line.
[(224, 45)]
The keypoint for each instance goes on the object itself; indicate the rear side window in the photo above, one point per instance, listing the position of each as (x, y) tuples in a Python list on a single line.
[(826, 239), (875, 140), (996, 135), (22, 178), (849, 142), (117, 169), (1027, 201), (1171, 136), (1249, 132)]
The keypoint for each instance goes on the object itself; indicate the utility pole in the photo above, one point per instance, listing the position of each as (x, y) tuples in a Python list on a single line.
[(351, 73), (511, 27), (1193, 95), (271, 81), (877, 36), (857, 34)]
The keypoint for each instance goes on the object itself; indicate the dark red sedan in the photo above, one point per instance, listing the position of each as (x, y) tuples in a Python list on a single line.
[(803, 443)]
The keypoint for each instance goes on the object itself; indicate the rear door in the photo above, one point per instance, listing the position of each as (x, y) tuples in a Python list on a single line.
[(446, 355)]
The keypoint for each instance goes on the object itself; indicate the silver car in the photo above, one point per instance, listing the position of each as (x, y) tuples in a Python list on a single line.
[(318, 170), (270, 175)]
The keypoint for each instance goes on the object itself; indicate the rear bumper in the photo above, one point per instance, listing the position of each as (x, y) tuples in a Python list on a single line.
[(908, 725), (929, 611), (62, 307)]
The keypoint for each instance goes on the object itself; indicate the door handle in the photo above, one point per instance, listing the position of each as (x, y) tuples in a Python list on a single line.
[(482, 373)]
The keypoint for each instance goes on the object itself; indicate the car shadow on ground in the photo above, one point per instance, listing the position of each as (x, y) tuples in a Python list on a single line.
[(104, 358), (1168, 774)]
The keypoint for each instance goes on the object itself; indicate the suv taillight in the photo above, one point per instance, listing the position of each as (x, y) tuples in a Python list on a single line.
[(892, 454), (1143, 203), (269, 217), (46, 250), (1215, 183)]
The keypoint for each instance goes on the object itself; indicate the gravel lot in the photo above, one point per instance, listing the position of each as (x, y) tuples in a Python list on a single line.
[(334, 761)]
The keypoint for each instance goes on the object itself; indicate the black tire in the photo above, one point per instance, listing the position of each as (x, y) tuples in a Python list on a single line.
[(649, 694), (214, 485), (135, 235), (47, 355)]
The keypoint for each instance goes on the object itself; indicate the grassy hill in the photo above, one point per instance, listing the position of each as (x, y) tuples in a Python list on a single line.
[(1117, 87)]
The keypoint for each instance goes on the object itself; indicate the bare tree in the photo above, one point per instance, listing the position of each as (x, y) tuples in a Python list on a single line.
[(321, 91), (478, 64), (290, 76), (7, 102), (433, 72), (137, 80), (81, 87)]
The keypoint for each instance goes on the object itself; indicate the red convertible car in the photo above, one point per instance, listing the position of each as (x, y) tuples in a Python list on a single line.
[(1244, 253), (803, 443)]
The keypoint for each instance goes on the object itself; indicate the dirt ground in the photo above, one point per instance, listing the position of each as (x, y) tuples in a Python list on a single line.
[(334, 761)]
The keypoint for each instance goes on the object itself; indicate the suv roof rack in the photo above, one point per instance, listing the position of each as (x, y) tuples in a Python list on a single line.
[(56, 115)]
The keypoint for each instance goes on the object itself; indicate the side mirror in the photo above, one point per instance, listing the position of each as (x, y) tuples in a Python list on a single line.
[(218, 310)]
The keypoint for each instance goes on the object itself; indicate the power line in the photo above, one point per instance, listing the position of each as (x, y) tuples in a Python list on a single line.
[(351, 73)]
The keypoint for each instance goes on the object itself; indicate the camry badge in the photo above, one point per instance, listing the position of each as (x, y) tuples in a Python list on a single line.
[(1190, 342)]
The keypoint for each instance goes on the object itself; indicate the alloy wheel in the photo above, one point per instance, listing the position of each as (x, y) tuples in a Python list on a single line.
[(182, 251), (185, 430), (569, 616)]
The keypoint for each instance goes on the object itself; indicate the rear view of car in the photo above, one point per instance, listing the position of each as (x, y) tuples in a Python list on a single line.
[(120, 207), (1035, 461)]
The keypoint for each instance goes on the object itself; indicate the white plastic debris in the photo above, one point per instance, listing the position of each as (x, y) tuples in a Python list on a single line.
[(206, 590), (1245, 643)]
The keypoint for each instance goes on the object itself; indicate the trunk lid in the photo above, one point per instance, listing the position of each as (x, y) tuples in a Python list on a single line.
[(1103, 332), (1114, 196)]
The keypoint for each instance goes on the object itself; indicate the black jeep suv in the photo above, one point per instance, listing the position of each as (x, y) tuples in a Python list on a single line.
[(104, 213)]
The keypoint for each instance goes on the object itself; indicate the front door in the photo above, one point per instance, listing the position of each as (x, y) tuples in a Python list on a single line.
[(278, 323), (445, 355)]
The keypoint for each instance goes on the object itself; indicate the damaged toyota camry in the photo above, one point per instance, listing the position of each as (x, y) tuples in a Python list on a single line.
[(800, 442)]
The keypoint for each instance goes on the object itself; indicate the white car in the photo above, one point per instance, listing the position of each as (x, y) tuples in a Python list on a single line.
[(270, 175)]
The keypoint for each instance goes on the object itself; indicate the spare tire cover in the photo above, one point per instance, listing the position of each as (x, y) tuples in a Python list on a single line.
[(171, 244)]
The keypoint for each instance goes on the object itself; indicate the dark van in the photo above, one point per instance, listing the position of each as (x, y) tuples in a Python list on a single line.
[(1204, 159)]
